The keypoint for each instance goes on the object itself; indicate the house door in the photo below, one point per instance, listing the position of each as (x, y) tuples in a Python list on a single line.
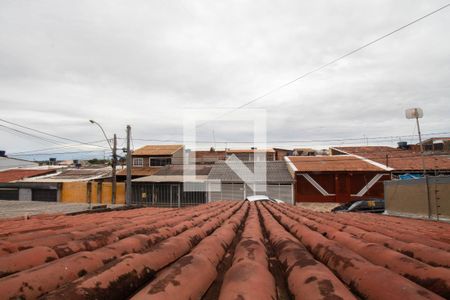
[(175, 195)]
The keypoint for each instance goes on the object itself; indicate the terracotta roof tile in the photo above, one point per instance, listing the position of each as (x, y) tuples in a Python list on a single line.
[(401, 160), (157, 150), (139, 171), (231, 249), (331, 163), (18, 174), (269, 150)]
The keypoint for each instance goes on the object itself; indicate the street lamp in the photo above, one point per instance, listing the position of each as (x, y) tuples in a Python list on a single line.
[(114, 160)]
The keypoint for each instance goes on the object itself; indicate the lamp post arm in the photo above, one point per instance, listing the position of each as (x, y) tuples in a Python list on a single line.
[(104, 133)]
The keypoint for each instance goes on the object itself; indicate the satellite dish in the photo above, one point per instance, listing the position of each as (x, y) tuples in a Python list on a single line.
[(414, 113)]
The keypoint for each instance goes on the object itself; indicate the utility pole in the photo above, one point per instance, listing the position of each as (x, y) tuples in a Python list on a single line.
[(128, 190), (420, 143), (416, 113), (114, 160), (114, 165)]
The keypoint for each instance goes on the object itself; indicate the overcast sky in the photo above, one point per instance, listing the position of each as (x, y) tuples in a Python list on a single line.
[(143, 62)]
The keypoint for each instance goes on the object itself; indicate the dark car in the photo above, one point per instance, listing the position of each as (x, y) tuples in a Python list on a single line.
[(373, 205)]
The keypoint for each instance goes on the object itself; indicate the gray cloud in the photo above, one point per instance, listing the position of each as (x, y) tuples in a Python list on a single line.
[(142, 63)]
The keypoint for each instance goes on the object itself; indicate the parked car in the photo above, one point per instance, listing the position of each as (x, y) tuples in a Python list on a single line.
[(263, 198), (372, 205)]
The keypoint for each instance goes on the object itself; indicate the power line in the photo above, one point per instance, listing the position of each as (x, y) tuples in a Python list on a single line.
[(31, 135), (374, 158), (55, 148), (375, 139), (329, 63), (59, 153), (49, 134)]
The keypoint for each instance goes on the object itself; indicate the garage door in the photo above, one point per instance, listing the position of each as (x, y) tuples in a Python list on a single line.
[(9, 194), (230, 191), (44, 195)]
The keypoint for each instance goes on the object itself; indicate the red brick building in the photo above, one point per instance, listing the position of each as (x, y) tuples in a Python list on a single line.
[(336, 178)]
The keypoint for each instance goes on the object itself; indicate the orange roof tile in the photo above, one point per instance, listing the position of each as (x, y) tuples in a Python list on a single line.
[(157, 150), (18, 174), (401, 160), (270, 150), (226, 246), (332, 163), (139, 171)]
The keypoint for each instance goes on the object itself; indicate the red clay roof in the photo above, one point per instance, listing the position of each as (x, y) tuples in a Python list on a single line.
[(139, 171), (157, 150), (209, 155), (222, 250), (18, 174), (367, 149), (401, 160), (270, 150), (332, 163)]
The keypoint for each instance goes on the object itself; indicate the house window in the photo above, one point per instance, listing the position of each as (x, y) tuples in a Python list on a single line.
[(160, 161), (138, 162)]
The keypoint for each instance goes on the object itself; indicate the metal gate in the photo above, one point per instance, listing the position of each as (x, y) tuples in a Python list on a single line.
[(9, 194), (229, 191), (46, 195)]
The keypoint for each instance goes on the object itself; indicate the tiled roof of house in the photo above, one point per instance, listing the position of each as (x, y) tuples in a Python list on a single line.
[(366, 149), (18, 174), (176, 173), (70, 175), (270, 150), (179, 170), (398, 159), (139, 171), (222, 250), (331, 163), (276, 171), (430, 140), (209, 156), (157, 150)]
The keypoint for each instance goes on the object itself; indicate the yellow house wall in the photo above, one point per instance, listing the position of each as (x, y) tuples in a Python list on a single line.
[(76, 192)]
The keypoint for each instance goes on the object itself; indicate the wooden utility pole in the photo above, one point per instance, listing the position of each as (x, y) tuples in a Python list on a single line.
[(114, 164), (128, 184)]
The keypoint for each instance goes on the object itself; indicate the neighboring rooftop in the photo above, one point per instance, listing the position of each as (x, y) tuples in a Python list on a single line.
[(268, 150), (10, 163), (139, 171), (276, 171), (365, 149), (157, 150), (398, 159), (24, 209), (18, 174), (175, 173), (222, 250), (69, 175), (439, 139), (332, 163), (208, 156)]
